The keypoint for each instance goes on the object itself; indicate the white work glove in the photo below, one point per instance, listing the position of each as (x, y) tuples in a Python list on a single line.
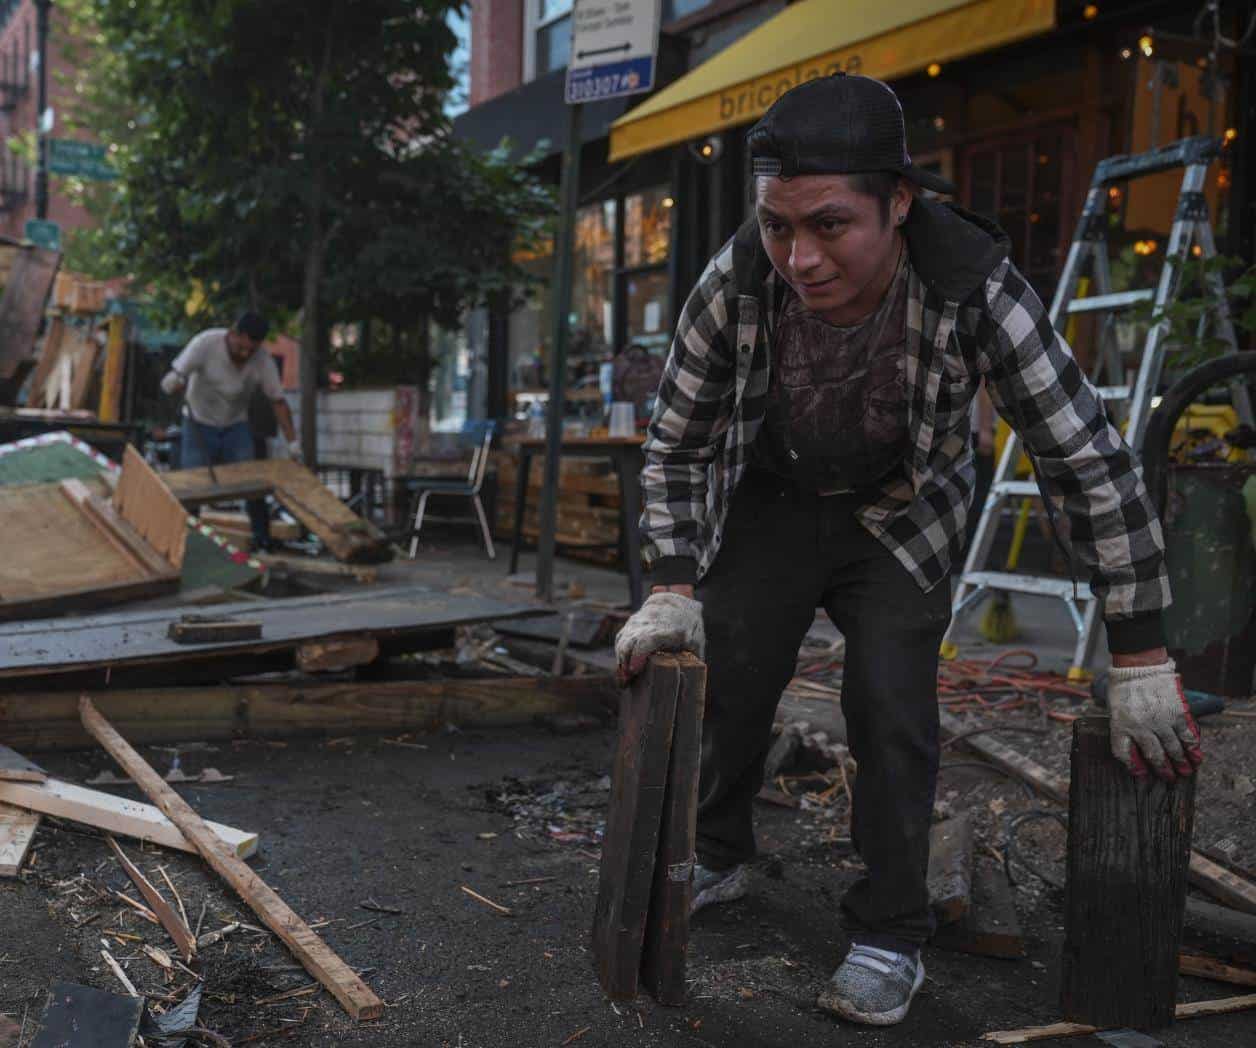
[(294, 450), (665, 622), (172, 382), (1152, 726)]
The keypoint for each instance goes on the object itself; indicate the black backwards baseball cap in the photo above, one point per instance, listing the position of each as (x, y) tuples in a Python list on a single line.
[(836, 125)]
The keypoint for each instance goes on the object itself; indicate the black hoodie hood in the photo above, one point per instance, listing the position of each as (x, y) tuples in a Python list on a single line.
[(952, 250)]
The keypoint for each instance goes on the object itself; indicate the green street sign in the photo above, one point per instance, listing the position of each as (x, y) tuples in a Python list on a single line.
[(43, 233), (79, 160)]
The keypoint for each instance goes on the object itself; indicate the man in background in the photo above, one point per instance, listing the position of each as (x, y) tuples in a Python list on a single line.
[(218, 373)]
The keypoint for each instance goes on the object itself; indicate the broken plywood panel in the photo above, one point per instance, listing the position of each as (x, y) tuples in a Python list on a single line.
[(68, 559), (17, 832), (21, 312), (299, 491), (209, 559)]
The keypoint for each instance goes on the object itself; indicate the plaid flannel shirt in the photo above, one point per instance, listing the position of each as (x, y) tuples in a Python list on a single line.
[(970, 315)]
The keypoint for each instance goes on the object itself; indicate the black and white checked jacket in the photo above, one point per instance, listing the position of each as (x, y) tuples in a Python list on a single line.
[(970, 314)]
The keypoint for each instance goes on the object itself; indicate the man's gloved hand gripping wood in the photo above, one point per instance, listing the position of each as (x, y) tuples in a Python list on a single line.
[(1152, 726), (668, 620)]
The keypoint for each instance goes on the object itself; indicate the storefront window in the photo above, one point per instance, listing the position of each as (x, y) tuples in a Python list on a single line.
[(648, 316), (1025, 183), (647, 227), (553, 35), (593, 284)]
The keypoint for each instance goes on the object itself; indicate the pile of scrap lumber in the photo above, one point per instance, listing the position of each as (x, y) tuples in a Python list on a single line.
[(588, 506), (26, 794), (66, 374)]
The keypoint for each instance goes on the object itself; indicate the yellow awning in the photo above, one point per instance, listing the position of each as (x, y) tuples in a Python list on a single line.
[(814, 38)]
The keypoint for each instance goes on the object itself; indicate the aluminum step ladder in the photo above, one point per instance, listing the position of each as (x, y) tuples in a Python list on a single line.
[(1191, 228)]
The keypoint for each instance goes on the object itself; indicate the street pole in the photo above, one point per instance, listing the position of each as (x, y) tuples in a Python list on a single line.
[(42, 8), (558, 359)]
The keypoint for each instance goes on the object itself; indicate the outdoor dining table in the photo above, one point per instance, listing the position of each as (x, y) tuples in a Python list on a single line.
[(626, 456)]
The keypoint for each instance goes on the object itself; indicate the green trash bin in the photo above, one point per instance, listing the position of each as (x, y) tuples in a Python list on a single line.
[(1209, 515)]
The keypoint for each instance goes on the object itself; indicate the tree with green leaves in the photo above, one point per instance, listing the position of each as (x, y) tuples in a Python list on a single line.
[(296, 159)]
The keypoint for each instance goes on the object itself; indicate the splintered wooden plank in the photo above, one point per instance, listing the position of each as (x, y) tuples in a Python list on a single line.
[(118, 815), (319, 960), (951, 867), (17, 831), (1194, 1010), (86, 354), (337, 653), (663, 966), (990, 928), (647, 716), (147, 504), (170, 920), (84, 1017), (49, 356)]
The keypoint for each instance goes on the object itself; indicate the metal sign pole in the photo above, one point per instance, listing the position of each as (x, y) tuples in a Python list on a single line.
[(558, 356), (612, 54)]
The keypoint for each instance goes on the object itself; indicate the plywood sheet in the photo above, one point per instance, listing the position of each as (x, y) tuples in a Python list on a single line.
[(60, 548), (21, 311)]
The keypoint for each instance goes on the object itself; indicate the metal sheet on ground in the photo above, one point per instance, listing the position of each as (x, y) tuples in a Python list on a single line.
[(123, 638)]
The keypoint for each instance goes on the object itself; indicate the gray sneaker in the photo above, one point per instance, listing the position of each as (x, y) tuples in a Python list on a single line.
[(873, 986), (712, 886)]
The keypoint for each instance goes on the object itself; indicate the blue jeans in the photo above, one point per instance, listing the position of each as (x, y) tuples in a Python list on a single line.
[(216, 445)]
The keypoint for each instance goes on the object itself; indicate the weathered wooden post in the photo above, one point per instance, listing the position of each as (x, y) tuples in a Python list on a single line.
[(641, 921), (1129, 845)]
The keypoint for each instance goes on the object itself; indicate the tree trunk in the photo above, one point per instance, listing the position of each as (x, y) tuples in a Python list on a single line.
[(1129, 844), (310, 332)]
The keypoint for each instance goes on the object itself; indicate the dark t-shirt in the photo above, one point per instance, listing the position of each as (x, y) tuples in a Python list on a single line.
[(837, 404)]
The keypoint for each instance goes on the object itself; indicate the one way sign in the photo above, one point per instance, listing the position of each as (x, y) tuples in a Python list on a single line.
[(613, 46)]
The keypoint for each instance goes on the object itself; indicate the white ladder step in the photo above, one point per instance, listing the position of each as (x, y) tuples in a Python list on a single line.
[(1038, 585), (1024, 488), (1113, 392), (1118, 300)]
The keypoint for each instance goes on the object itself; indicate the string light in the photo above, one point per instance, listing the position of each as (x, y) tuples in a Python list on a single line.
[(1147, 45), (1090, 11), (669, 202), (1196, 251), (1230, 135), (939, 123), (1115, 195), (1145, 247), (933, 69), (1126, 54)]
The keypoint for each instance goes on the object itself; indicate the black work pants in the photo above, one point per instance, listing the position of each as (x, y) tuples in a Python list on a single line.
[(784, 554)]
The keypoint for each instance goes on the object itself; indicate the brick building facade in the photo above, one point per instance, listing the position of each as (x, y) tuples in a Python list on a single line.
[(19, 115)]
